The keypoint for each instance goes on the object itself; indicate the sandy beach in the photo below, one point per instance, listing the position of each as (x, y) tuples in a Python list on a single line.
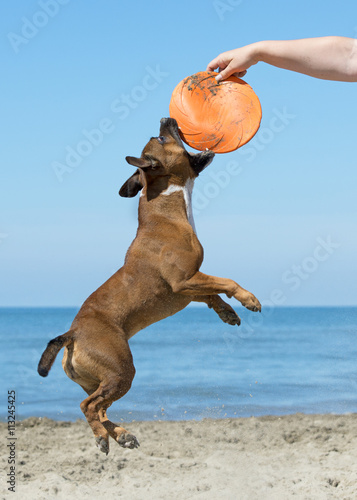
[(299, 456)]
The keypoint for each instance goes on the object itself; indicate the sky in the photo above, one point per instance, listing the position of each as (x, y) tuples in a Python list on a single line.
[(85, 84)]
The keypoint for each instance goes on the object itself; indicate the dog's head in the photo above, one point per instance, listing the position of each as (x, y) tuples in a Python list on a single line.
[(164, 157)]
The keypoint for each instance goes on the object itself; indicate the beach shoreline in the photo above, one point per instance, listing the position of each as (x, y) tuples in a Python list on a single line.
[(300, 455)]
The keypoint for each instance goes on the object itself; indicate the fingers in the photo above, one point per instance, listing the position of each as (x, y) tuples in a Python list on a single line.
[(225, 73), (214, 64), (240, 74), (234, 62), (225, 63)]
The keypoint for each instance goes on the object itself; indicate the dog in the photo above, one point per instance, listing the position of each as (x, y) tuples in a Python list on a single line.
[(160, 277)]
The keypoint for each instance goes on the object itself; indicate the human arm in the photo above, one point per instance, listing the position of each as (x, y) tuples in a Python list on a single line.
[(328, 58)]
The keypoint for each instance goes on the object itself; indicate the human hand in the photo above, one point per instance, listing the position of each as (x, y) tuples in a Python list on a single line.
[(234, 62)]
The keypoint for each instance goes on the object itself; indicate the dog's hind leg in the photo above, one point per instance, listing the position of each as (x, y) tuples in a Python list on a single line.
[(94, 408), (224, 310), (112, 366)]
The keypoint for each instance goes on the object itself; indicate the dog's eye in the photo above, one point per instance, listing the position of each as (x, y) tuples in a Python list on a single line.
[(161, 139)]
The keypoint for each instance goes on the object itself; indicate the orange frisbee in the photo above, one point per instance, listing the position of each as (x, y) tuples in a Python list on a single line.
[(219, 116)]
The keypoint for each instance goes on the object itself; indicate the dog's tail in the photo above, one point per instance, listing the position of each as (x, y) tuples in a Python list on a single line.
[(53, 347)]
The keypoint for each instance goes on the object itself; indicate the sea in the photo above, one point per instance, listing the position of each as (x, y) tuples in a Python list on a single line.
[(194, 366)]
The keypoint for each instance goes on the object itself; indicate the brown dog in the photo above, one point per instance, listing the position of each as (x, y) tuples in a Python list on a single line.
[(160, 277)]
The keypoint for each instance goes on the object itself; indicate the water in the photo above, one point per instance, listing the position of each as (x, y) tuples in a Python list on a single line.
[(192, 365)]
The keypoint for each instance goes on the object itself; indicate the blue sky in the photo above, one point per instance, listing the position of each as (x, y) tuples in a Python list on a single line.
[(278, 215)]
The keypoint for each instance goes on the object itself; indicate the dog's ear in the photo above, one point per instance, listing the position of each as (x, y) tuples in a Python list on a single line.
[(199, 161), (144, 164), (139, 162), (132, 186)]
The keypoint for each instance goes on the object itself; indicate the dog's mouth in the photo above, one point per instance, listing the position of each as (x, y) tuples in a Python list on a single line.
[(169, 126)]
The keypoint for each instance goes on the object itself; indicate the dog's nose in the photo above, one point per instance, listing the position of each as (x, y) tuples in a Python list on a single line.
[(163, 121), (169, 125), (168, 122)]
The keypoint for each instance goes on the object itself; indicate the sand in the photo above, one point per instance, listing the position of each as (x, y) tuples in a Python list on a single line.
[(295, 456)]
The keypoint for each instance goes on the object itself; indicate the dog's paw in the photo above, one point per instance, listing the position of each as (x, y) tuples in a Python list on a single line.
[(250, 302), (127, 440), (229, 316), (103, 444)]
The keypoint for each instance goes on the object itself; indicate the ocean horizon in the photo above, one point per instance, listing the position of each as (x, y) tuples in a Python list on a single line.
[(193, 366)]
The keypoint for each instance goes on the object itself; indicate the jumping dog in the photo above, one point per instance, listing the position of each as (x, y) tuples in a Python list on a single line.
[(160, 277)]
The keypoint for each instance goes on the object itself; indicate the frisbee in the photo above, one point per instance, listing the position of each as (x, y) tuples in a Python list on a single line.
[(219, 116)]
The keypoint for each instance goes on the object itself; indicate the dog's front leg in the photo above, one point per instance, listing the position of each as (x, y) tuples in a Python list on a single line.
[(203, 284), (224, 310)]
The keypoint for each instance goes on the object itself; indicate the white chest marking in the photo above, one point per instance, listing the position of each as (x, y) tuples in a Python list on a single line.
[(187, 196)]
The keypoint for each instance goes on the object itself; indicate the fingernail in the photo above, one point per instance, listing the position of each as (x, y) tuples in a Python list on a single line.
[(219, 78)]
